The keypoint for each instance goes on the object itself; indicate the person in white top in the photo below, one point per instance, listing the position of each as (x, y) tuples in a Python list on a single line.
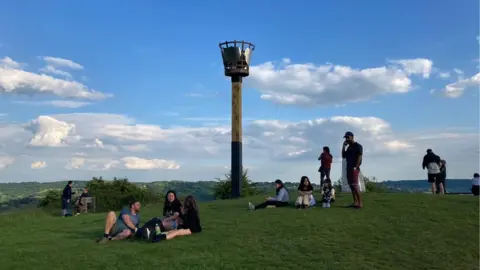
[(475, 184)]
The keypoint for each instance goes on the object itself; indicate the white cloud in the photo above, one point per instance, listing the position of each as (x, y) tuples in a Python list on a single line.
[(14, 80), (75, 163), (456, 89), (135, 163), (419, 66), (56, 103), (38, 165), (60, 62), (443, 75), (6, 161), (52, 70), (118, 146), (8, 62), (310, 84), (49, 131)]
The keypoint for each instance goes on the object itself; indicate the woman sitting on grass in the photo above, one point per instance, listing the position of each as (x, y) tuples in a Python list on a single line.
[(281, 199), (190, 221), (171, 211), (305, 193), (475, 184)]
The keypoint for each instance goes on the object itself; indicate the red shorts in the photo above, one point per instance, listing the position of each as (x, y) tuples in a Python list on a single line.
[(352, 177)]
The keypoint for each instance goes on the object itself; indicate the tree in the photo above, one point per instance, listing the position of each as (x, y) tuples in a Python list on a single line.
[(222, 190)]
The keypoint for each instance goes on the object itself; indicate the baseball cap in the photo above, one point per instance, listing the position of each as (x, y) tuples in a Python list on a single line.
[(348, 134)]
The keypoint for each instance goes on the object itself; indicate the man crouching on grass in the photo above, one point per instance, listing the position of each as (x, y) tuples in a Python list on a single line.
[(123, 227)]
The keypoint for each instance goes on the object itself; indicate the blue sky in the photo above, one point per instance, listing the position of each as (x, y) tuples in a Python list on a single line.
[(161, 65)]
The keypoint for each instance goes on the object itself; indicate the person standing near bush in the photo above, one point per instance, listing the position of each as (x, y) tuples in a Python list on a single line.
[(432, 163), (353, 156), (125, 226), (326, 160), (67, 198)]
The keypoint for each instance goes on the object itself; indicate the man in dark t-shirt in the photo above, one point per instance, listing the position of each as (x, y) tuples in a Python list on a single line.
[(353, 156)]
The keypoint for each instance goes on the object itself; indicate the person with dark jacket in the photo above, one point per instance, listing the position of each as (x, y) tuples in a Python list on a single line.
[(190, 221), (431, 162), (171, 211), (476, 184), (67, 198)]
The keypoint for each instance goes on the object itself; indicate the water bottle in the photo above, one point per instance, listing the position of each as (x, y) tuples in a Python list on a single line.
[(157, 229)]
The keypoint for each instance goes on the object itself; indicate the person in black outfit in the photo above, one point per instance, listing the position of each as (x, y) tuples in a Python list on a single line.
[(67, 198), (171, 211), (190, 224), (353, 155)]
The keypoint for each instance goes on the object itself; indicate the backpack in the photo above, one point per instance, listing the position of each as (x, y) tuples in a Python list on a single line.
[(147, 231)]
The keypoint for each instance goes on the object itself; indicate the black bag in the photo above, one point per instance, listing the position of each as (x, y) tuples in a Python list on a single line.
[(147, 231)]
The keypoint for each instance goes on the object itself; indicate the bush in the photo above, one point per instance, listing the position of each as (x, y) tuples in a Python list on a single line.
[(53, 198), (371, 185), (223, 188), (109, 195)]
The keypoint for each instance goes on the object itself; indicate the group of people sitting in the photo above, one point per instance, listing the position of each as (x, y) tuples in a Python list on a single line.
[(177, 220), (305, 197)]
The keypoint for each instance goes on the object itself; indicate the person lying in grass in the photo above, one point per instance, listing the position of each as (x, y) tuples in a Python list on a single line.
[(190, 221), (281, 199), (123, 227), (305, 193), (171, 211)]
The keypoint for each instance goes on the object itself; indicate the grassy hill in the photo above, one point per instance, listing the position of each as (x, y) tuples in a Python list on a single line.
[(393, 231)]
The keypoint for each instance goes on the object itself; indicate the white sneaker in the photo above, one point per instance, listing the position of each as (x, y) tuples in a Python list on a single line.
[(328, 205), (324, 205), (251, 206)]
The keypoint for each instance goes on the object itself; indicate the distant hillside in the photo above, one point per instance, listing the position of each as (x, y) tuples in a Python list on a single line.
[(452, 185)]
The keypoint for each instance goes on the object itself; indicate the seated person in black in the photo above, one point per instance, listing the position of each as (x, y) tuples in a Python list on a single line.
[(171, 211), (190, 221)]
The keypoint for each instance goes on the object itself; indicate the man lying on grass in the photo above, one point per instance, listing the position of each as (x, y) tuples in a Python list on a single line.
[(190, 221), (124, 226)]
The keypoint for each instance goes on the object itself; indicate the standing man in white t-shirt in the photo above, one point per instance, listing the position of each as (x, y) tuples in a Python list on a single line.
[(432, 163)]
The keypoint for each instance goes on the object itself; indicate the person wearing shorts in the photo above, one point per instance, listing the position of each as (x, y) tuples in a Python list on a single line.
[(431, 162), (353, 155), (125, 226)]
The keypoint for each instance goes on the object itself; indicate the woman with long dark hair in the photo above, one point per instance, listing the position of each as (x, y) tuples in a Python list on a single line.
[(326, 160), (190, 221), (305, 191), (171, 211), (281, 199)]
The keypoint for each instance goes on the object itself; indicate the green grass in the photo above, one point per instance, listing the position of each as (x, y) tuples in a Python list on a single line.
[(393, 231)]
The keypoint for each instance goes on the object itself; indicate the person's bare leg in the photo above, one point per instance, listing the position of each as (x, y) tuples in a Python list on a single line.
[(123, 235), (110, 221), (433, 188), (352, 190), (442, 189), (357, 195), (181, 232)]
